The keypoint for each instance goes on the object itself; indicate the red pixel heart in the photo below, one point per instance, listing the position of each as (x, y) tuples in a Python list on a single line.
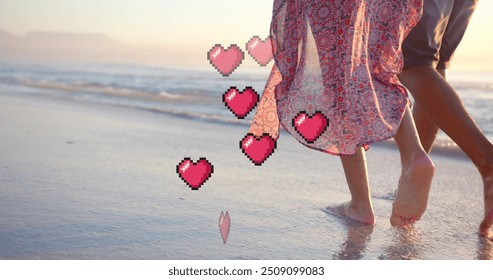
[(240, 103), (257, 149), (225, 61), (310, 128), (260, 50), (194, 174)]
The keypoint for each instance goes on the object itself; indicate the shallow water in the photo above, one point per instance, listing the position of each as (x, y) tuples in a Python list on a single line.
[(89, 181)]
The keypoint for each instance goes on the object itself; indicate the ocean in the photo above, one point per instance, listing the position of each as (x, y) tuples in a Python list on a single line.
[(194, 93), (83, 181)]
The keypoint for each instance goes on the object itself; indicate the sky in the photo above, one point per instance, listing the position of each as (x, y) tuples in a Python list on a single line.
[(193, 26)]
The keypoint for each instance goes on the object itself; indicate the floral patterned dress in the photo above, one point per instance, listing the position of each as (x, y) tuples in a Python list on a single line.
[(341, 58)]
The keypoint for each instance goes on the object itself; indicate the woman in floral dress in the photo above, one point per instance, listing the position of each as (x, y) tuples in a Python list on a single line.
[(338, 60)]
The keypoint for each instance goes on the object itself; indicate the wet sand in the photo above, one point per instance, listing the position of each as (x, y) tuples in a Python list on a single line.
[(90, 181)]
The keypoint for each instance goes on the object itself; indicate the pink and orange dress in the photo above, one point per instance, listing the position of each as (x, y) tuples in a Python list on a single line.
[(340, 58)]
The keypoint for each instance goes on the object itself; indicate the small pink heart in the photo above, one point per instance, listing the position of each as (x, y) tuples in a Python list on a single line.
[(225, 61), (310, 128), (194, 174), (240, 103), (257, 149), (260, 50), (224, 225)]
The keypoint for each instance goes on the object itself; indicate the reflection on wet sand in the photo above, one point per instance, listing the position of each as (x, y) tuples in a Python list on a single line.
[(358, 236), (485, 249), (404, 245)]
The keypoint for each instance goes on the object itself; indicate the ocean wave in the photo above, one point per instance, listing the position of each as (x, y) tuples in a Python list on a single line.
[(169, 95), (176, 111), (194, 94), (442, 146), (93, 87), (468, 85)]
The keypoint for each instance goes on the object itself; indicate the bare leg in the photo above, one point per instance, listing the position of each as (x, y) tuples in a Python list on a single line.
[(359, 207), (417, 172), (444, 108), (426, 128)]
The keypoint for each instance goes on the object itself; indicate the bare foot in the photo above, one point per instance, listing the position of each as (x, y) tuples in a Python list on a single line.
[(359, 214), (412, 194), (487, 223)]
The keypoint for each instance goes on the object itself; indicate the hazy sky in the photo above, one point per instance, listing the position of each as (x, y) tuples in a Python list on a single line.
[(193, 26)]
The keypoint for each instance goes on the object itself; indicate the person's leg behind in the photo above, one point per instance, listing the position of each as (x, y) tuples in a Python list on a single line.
[(445, 108), (417, 173), (431, 46), (422, 47), (427, 130)]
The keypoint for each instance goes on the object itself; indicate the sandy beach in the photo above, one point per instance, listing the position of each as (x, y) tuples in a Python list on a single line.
[(80, 180)]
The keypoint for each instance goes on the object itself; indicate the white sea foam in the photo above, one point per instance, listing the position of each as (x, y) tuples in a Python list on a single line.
[(169, 95)]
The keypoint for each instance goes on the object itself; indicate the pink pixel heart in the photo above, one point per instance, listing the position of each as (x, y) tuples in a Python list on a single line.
[(225, 61), (257, 149), (224, 225), (310, 128), (260, 50), (240, 103), (194, 174)]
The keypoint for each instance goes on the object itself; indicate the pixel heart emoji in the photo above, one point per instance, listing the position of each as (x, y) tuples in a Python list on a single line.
[(256, 148), (194, 174), (310, 127), (240, 103), (260, 50), (225, 61)]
